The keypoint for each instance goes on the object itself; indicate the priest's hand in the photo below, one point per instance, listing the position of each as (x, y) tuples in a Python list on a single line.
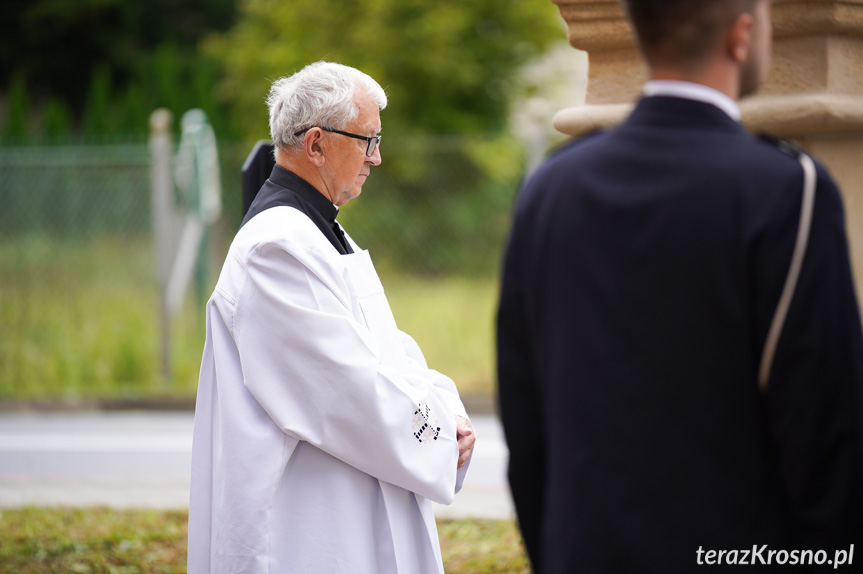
[(466, 438)]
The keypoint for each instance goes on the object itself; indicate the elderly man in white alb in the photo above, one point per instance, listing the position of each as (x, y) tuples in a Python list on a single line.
[(321, 436)]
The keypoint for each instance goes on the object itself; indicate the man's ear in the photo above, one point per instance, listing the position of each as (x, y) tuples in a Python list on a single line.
[(738, 39), (313, 146)]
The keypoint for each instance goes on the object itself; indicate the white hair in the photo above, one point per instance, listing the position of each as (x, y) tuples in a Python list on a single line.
[(322, 95)]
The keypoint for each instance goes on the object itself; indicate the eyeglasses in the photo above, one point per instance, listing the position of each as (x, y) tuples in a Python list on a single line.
[(372, 141)]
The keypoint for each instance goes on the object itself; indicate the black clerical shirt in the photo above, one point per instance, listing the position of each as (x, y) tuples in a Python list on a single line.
[(287, 188)]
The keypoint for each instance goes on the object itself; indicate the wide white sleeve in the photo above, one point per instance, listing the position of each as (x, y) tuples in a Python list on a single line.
[(445, 386), (317, 371)]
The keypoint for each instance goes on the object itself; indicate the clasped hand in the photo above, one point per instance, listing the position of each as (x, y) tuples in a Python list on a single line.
[(466, 439)]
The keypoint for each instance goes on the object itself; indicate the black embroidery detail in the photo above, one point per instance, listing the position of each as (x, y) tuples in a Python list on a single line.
[(425, 424)]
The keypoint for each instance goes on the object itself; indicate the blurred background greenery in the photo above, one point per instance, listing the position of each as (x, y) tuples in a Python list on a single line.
[(471, 86)]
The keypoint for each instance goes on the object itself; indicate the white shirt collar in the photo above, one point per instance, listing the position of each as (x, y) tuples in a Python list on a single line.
[(691, 91)]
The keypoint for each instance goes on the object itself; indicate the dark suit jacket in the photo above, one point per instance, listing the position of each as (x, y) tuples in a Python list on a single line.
[(640, 280)]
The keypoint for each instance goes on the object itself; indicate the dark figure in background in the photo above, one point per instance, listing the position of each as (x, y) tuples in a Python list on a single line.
[(641, 277)]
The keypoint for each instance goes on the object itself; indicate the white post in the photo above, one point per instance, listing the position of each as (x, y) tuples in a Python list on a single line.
[(162, 200), (186, 198)]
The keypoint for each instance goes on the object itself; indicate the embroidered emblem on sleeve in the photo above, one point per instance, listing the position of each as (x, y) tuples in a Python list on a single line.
[(425, 424)]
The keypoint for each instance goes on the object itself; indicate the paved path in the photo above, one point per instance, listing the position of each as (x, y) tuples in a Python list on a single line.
[(141, 459)]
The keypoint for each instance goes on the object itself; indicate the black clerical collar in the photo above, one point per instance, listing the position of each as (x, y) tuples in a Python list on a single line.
[(288, 179), (285, 188)]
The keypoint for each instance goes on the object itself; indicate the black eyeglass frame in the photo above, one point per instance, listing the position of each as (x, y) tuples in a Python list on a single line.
[(371, 141)]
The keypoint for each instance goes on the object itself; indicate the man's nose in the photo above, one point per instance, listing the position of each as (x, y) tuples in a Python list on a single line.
[(375, 158)]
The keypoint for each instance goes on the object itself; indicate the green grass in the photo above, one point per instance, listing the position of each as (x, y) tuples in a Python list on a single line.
[(81, 322), (101, 540), (92, 540), (482, 547), (452, 321)]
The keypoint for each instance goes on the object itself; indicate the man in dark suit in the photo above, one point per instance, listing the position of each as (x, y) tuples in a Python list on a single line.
[(642, 274)]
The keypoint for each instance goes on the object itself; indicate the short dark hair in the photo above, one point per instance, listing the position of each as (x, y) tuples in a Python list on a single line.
[(682, 33)]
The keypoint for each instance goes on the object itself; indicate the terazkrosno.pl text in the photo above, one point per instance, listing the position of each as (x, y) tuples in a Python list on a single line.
[(758, 555)]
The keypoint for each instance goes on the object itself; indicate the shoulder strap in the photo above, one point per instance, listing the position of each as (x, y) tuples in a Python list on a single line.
[(809, 181)]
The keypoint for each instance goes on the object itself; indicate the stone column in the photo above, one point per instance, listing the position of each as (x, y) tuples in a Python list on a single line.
[(814, 92)]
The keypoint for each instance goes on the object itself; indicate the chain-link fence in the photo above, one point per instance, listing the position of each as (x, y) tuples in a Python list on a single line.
[(74, 192), (78, 294)]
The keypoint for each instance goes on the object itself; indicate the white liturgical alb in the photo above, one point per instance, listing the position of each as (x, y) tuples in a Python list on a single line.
[(321, 436)]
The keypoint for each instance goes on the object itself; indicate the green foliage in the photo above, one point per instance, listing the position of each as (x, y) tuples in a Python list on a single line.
[(106, 63), (136, 107), (55, 43), (432, 208), (56, 120), (96, 118), (168, 77), (447, 66), (102, 540), (18, 113)]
